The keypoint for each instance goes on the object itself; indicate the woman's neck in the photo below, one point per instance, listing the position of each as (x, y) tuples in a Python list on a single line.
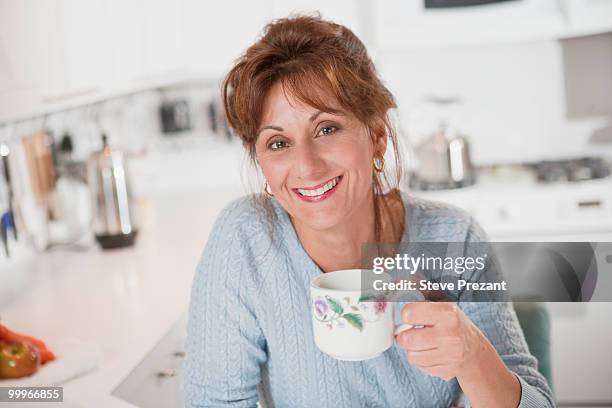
[(341, 247)]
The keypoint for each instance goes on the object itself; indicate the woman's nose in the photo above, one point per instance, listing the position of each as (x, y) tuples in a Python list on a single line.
[(309, 164)]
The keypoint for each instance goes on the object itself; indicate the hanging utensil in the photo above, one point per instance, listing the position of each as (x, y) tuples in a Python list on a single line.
[(4, 153)]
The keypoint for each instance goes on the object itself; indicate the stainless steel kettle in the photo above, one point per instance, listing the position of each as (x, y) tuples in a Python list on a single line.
[(113, 216), (444, 161)]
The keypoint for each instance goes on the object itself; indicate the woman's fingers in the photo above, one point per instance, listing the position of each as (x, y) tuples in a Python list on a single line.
[(448, 340), (418, 339), (427, 358), (434, 362), (429, 313)]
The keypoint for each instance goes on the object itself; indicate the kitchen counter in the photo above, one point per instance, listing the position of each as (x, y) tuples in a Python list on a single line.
[(122, 300), (126, 300)]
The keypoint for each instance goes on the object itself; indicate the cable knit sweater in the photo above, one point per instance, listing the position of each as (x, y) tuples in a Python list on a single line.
[(250, 333)]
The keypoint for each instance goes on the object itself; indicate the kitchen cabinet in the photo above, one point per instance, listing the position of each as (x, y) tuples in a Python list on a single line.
[(587, 16), (60, 54), (77, 52), (345, 12), (406, 25), (403, 25), (52, 54), (5, 74), (157, 381), (580, 353), (30, 54), (145, 42), (216, 36), (82, 50), (30, 43), (65, 53)]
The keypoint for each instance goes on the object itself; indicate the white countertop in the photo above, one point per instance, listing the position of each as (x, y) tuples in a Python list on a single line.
[(122, 300), (126, 300), (521, 209)]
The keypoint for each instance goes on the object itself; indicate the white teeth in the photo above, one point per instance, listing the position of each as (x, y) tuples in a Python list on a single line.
[(314, 193)]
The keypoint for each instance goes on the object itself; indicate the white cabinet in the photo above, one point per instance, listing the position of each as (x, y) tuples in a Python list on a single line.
[(401, 24), (145, 41), (5, 66), (30, 53), (82, 50), (162, 31), (588, 16), (345, 12), (407, 25), (63, 53), (30, 43), (56, 54), (214, 36), (51, 53)]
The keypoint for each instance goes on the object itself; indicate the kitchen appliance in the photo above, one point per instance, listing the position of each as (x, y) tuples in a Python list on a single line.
[(585, 168), (113, 218), (444, 161), (437, 131), (217, 122), (175, 116), (568, 200)]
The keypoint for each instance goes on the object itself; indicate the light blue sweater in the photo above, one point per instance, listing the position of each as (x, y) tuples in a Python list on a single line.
[(250, 331)]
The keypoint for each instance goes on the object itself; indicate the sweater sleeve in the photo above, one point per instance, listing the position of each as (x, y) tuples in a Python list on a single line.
[(225, 346), (499, 323)]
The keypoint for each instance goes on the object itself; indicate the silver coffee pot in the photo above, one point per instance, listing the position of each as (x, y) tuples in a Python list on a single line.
[(444, 159), (441, 146), (113, 217)]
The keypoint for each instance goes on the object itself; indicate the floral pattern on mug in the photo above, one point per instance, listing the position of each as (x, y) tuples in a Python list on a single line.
[(321, 308), (336, 312), (380, 305)]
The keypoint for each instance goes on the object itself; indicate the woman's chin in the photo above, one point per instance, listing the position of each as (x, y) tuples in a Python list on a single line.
[(317, 220)]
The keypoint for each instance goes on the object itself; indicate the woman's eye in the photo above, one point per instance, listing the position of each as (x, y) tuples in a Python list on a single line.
[(327, 130), (277, 145)]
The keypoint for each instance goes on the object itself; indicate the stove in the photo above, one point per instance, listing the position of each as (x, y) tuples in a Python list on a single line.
[(568, 199), (416, 183), (573, 170)]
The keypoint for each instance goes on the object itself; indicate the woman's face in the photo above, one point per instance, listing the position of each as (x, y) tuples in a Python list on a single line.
[(318, 164)]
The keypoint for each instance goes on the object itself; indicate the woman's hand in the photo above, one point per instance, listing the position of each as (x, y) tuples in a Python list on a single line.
[(447, 344), (450, 345)]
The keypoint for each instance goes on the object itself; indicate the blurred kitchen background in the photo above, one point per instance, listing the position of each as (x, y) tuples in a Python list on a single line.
[(112, 135)]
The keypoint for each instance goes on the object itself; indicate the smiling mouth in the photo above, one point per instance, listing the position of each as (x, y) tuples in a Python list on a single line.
[(320, 191)]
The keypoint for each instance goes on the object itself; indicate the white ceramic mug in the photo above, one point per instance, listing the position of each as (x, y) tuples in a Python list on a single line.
[(348, 324)]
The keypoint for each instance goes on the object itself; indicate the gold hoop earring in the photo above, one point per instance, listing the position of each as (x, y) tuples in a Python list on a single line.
[(266, 189), (379, 164)]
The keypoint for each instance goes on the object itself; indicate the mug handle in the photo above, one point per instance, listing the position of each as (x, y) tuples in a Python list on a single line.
[(399, 328)]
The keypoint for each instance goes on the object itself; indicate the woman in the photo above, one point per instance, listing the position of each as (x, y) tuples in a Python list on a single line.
[(311, 111)]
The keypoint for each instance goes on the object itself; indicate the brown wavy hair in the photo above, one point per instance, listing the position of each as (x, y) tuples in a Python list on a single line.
[(316, 61)]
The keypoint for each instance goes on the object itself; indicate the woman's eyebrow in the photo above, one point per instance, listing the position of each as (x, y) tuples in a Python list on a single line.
[(280, 129), (277, 128), (315, 115), (335, 112)]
